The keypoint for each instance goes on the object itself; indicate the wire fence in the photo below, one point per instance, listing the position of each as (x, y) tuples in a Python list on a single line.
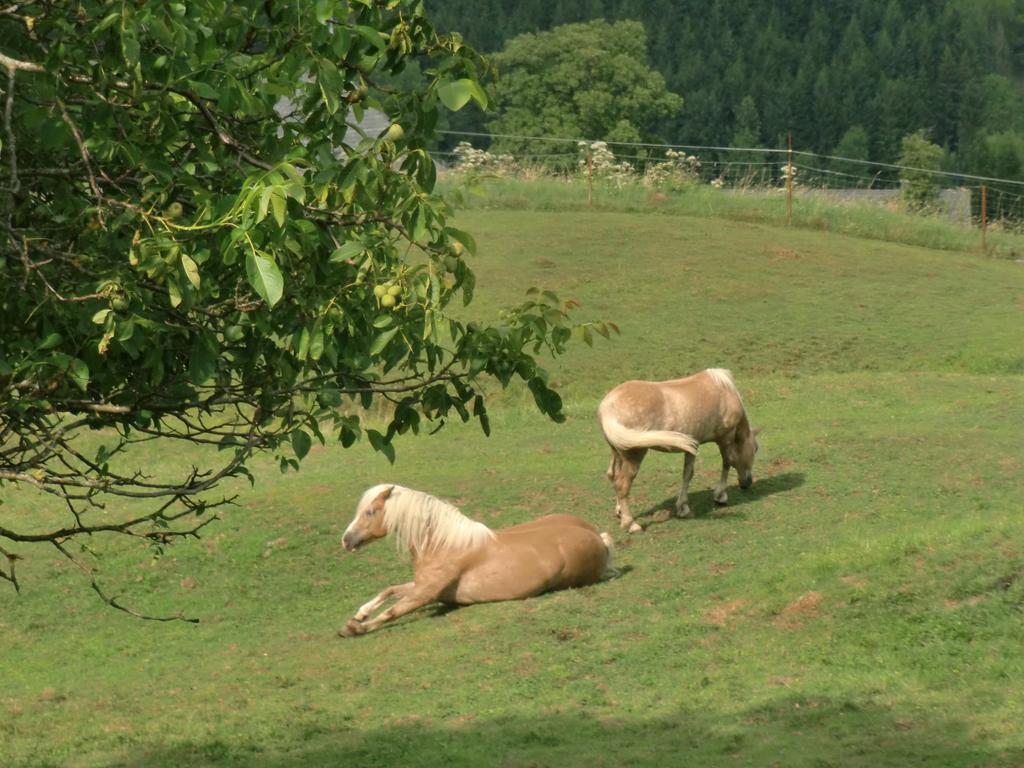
[(970, 198)]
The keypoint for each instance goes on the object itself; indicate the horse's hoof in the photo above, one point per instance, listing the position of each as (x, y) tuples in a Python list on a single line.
[(684, 511), (351, 629), (636, 528)]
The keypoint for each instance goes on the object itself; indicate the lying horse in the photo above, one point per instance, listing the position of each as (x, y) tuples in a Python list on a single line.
[(459, 561), (676, 416)]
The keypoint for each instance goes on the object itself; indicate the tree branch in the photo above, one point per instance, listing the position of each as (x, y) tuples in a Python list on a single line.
[(11, 575), (12, 65), (225, 138), (112, 601), (8, 128)]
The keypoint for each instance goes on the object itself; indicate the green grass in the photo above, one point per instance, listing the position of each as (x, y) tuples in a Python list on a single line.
[(855, 218), (861, 605)]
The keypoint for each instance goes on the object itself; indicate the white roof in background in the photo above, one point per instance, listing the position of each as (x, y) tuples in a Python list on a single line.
[(374, 121)]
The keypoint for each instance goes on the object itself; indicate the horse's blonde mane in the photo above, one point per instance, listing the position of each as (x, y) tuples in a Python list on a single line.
[(426, 523), (723, 378)]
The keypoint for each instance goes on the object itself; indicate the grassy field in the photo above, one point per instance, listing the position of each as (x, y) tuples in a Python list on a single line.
[(861, 605)]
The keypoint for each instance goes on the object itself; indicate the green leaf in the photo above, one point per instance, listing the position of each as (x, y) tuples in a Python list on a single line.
[(202, 363), (382, 341), (301, 443), (331, 85), (372, 36), (51, 341), (329, 397), (264, 277), (324, 10), (280, 205), (348, 250), (418, 223), (79, 373), (465, 238), (108, 21), (455, 94), (316, 343), (303, 348), (261, 211), (174, 291), (382, 444), (191, 270)]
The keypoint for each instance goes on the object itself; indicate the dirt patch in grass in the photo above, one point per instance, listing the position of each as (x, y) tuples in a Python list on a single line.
[(720, 614), (805, 607), (779, 465)]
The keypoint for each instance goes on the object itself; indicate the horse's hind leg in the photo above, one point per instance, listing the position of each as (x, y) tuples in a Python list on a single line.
[(613, 466), (682, 502), (625, 471)]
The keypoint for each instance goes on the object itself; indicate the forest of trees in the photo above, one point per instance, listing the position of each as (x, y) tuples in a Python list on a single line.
[(847, 77)]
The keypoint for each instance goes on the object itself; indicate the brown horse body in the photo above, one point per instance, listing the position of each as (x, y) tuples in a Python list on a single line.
[(460, 562), (676, 416)]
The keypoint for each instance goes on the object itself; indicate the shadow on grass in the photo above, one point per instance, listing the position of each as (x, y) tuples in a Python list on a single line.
[(789, 730), (703, 505)]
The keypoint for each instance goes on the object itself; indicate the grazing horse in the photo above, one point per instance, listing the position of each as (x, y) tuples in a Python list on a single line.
[(459, 561), (674, 416)]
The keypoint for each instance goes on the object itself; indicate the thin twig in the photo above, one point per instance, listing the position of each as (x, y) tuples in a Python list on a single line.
[(11, 575), (112, 601), (225, 138), (11, 151)]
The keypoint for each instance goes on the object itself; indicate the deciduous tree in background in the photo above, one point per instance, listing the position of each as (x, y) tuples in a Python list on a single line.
[(918, 186), (182, 258), (589, 81)]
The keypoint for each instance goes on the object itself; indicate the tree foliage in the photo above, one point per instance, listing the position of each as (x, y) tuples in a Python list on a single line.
[(918, 186), (199, 245), (588, 81), (814, 68)]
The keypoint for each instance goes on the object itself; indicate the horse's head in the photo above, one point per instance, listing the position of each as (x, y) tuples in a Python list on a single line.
[(741, 455), (368, 524)]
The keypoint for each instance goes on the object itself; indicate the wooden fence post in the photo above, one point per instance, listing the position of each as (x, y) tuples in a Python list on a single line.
[(789, 180), (590, 176), (984, 217)]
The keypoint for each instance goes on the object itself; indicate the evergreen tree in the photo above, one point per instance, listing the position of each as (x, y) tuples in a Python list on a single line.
[(815, 68)]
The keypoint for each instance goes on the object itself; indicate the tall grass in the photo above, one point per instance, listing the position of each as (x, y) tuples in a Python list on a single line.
[(755, 205)]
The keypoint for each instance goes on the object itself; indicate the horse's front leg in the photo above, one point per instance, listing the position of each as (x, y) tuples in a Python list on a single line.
[(613, 470), (682, 503), (369, 607), (720, 496), (398, 590), (413, 599)]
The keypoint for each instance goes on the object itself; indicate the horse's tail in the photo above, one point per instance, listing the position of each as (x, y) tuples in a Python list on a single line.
[(610, 572), (623, 438)]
